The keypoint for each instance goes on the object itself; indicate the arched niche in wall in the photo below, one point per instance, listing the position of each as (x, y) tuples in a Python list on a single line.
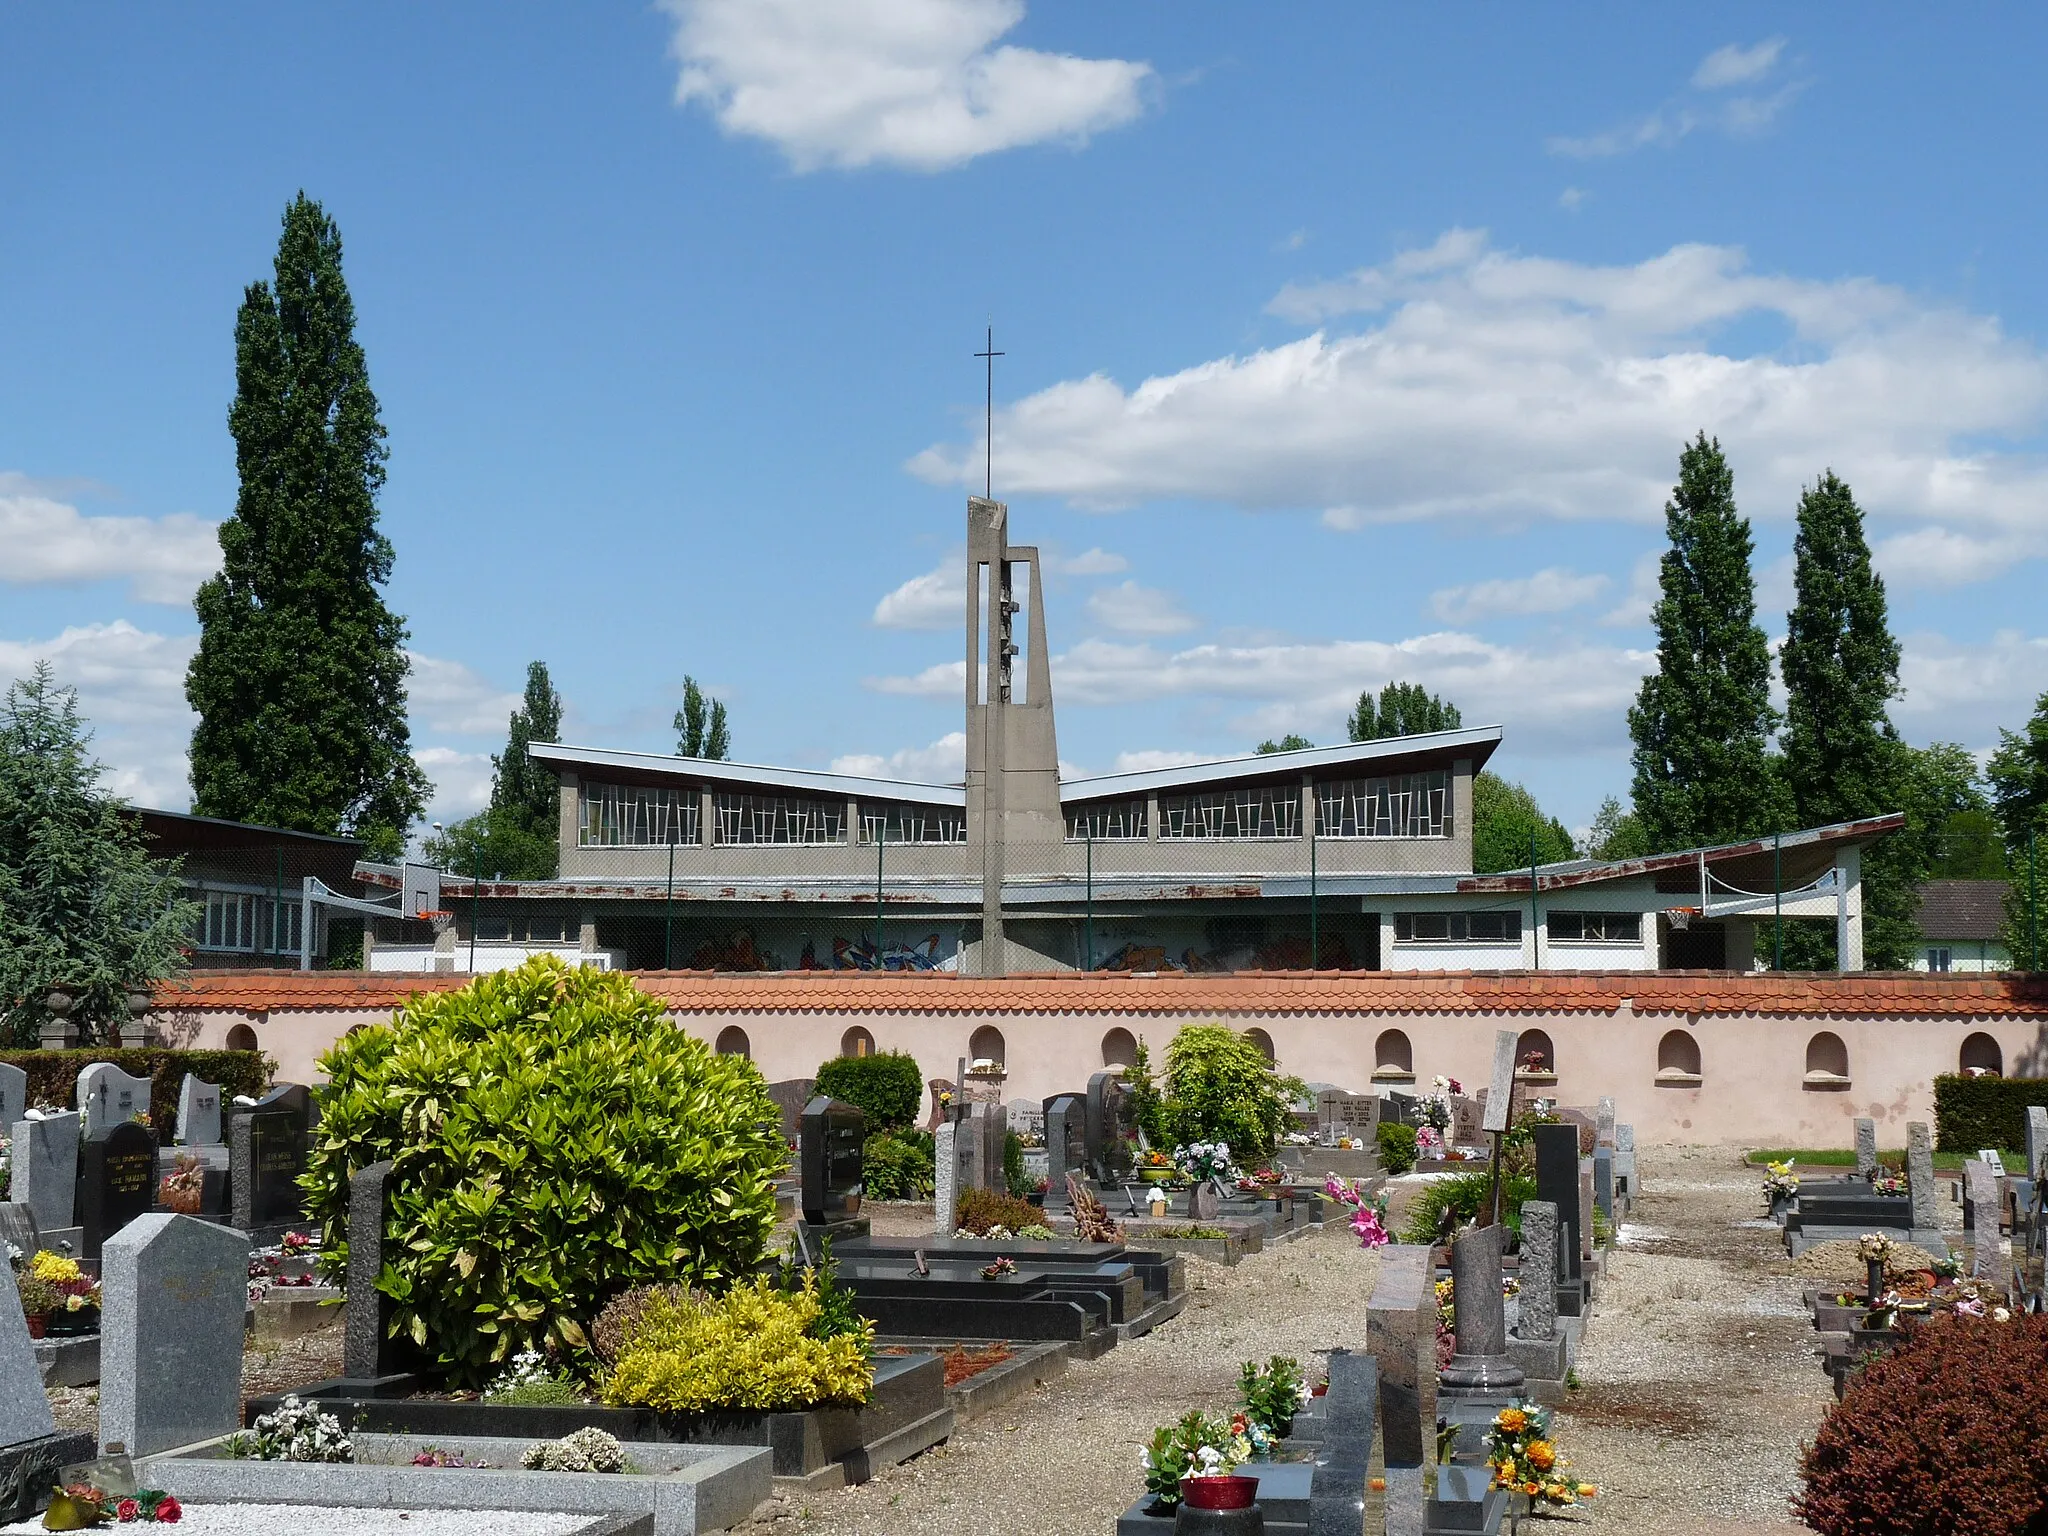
[(1678, 1059), (1827, 1061), (1264, 1042), (1119, 1046), (1535, 1056), (986, 1044), (732, 1041), (1981, 1057), (856, 1042), (1393, 1057), (241, 1038)]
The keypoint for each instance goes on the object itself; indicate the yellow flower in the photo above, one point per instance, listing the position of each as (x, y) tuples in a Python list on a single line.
[(1541, 1454), (1511, 1420), (1587, 1491), (74, 1304)]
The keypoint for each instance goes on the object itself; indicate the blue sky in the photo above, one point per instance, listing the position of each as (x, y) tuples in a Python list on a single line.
[(1342, 345)]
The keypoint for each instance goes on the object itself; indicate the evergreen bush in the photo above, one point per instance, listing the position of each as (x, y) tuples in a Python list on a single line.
[(1971, 1113), (1397, 1146), (899, 1165), (754, 1348), (1220, 1087), (1014, 1178), (888, 1087), (554, 1140), (980, 1209)]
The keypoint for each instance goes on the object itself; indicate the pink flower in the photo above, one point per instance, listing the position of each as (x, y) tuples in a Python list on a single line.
[(1365, 1222), (127, 1510), (1339, 1189)]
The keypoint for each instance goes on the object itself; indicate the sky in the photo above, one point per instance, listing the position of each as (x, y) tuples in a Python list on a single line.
[(1341, 346)]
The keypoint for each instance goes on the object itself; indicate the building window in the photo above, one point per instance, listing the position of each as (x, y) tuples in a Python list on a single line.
[(632, 816), (246, 923), (911, 824), (777, 819), (521, 930), (1273, 811), (1595, 927), (1402, 805), (1107, 821), (1457, 927), (1940, 959)]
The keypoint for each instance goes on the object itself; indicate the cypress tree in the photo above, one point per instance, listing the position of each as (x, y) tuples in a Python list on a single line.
[(1843, 759), (700, 725), (518, 835), (299, 680), (1703, 718), (2018, 775)]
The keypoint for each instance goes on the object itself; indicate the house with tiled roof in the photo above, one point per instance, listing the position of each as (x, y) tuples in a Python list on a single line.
[(1959, 926)]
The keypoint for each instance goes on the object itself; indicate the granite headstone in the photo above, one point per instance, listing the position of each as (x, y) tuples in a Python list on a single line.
[(1500, 1093), (791, 1096), (367, 1348), (13, 1093), (1603, 1123), (831, 1135), (1866, 1146), (1066, 1142), (266, 1155), (32, 1449), (944, 1172), (46, 1168), (1539, 1258), (108, 1097), (1980, 1191), (1603, 1181), (1920, 1176), (2037, 1139), (1481, 1366), (1557, 1182), (1340, 1114), (176, 1290), (1109, 1159), (198, 1113), (116, 1183)]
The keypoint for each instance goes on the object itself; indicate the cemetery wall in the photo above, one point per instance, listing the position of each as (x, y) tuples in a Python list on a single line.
[(1697, 1057)]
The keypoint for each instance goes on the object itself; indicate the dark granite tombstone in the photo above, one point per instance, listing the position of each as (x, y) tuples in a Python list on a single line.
[(994, 1123), (1066, 1143), (1108, 1158), (792, 1097), (832, 1135), (368, 1350), (116, 1183), (1557, 1180), (266, 1155), (1400, 1107)]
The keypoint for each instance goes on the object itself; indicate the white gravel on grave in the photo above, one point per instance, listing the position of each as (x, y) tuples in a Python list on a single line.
[(321, 1520)]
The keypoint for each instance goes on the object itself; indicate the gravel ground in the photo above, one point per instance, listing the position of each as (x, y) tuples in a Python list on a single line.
[(1065, 1457), (267, 1366), (316, 1520)]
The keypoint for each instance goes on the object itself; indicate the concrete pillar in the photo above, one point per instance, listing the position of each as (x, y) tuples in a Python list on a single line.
[(706, 806), (1849, 909)]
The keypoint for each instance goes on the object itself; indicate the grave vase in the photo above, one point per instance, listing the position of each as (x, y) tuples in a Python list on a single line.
[(1203, 1203), (1230, 1492)]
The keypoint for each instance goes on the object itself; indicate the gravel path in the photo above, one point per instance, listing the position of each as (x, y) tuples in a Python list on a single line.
[(317, 1520), (1065, 1458)]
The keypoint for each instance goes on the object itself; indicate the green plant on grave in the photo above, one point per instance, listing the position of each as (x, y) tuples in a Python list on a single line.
[(1220, 1087), (1195, 1443), (1014, 1178), (1142, 1100), (887, 1087), (1397, 1146), (838, 1317), (754, 1348), (1272, 1396), (554, 1140), (1465, 1195), (899, 1165), (979, 1211), (531, 1382)]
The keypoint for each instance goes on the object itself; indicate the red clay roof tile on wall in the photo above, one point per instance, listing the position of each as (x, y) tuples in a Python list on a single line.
[(1244, 992)]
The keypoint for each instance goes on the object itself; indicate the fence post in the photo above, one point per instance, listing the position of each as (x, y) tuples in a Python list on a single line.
[(476, 896), (1315, 948), (668, 898), (1535, 921), (1088, 899), (881, 843), (1778, 902)]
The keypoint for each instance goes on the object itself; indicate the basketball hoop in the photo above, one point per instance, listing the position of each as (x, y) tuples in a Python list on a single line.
[(440, 920), (1681, 917)]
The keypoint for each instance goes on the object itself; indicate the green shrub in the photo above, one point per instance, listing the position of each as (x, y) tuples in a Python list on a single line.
[(1467, 1194), (899, 1165), (1271, 1396), (1397, 1146), (1220, 1087), (53, 1076), (752, 1348), (888, 1087), (1971, 1113), (980, 1209), (1141, 1096), (1014, 1178), (555, 1140)]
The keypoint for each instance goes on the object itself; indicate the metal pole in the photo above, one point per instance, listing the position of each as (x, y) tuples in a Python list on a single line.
[(1315, 949), (1778, 902), (277, 922), (881, 842), (476, 894), (668, 897), (1089, 899), (1535, 924), (2033, 910)]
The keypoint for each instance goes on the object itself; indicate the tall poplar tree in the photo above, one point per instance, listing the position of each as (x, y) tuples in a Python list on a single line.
[(518, 835), (1702, 722), (299, 680), (1843, 759), (1403, 709), (700, 725)]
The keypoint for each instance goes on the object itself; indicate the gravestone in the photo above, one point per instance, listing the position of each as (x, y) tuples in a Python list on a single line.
[(198, 1113), (1994, 1160), (1108, 1158), (367, 1348), (944, 1203), (1586, 1207), (1920, 1176), (13, 1093), (18, 1226), (1603, 1123), (941, 1091), (1866, 1147), (1480, 1367), (1066, 1142), (116, 1183), (1466, 1117), (1603, 1181), (1026, 1117), (46, 1168), (266, 1155), (1557, 1183), (992, 1123), (1356, 1115), (2037, 1139), (108, 1097), (831, 1135), (1980, 1191), (1625, 1160), (32, 1450), (1539, 1258), (1500, 1093), (1400, 1330), (970, 1150), (791, 1096), (171, 1326)]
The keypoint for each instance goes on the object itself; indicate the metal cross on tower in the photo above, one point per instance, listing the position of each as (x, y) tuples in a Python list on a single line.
[(988, 416)]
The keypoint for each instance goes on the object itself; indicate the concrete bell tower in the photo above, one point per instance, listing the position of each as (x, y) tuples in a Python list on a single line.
[(1013, 773)]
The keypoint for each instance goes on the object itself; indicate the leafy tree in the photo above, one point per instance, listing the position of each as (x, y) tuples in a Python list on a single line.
[(1220, 1087), (299, 680), (1616, 833), (2018, 774), (1843, 760), (1403, 709), (1703, 718), (1288, 743), (82, 906), (700, 725), (887, 1087), (517, 835), (1508, 825), (1969, 848)]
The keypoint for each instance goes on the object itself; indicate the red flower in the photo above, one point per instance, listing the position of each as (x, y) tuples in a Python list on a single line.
[(127, 1510), (169, 1510)]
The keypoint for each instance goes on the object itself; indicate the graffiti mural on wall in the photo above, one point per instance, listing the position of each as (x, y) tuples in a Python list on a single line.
[(860, 956), (1289, 953), (741, 950)]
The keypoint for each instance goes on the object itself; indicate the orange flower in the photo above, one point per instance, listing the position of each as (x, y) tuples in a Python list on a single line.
[(1512, 1420), (1588, 1491), (1540, 1454), (1531, 1489), (1379, 1485)]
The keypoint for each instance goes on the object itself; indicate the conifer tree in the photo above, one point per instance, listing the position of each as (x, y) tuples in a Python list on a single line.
[(1843, 760), (1403, 709), (299, 680), (1703, 719), (700, 725), (518, 835), (2018, 774)]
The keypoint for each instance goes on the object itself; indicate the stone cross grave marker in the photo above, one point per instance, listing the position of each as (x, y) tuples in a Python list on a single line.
[(2037, 1139), (266, 1155), (1980, 1187), (832, 1136), (13, 1093), (1603, 1123), (1920, 1176), (1557, 1182), (116, 1183), (1500, 1093), (198, 1113), (1866, 1146), (109, 1097), (1481, 1367), (46, 1168), (1539, 1271), (171, 1331)]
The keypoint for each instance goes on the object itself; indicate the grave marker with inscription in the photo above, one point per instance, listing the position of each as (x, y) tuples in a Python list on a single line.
[(832, 1135), (198, 1113), (46, 1168), (1500, 1093), (116, 1183), (108, 1097), (1339, 1114), (266, 1155), (176, 1289), (13, 1093)]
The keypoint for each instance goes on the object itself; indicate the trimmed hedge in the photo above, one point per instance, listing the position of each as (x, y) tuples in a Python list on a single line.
[(1971, 1113), (888, 1087), (53, 1077)]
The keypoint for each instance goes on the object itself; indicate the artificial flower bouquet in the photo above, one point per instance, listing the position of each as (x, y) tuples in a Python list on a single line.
[(1526, 1460), (1780, 1183), (84, 1507), (1202, 1160), (1368, 1213)]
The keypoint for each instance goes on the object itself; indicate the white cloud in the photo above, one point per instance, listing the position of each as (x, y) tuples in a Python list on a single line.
[(1093, 562), (1958, 691), (1134, 610), (935, 600), (1572, 199), (942, 762), (1643, 591), (1737, 65), (446, 696), (48, 542), (914, 83), (131, 691), (1156, 758), (1553, 590), (1494, 387), (946, 680), (462, 781)]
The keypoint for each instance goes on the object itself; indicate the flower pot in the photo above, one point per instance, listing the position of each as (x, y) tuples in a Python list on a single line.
[(1203, 1206), (1156, 1175), (1230, 1492), (38, 1325)]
